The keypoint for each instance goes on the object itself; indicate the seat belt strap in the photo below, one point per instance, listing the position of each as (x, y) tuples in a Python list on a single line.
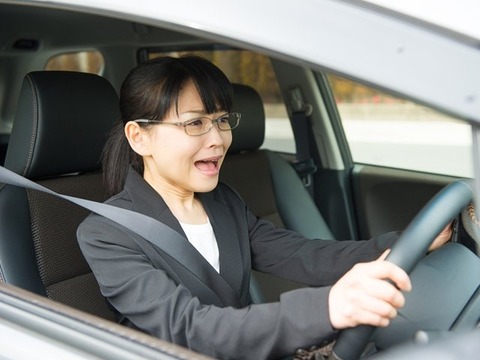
[(304, 164), (143, 225)]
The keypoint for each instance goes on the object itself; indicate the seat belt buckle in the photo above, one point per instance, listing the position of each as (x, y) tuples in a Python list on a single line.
[(305, 169)]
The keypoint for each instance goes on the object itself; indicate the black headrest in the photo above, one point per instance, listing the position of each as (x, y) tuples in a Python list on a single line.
[(251, 132), (61, 123)]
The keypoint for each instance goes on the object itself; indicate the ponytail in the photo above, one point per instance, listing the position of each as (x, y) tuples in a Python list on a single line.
[(117, 157)]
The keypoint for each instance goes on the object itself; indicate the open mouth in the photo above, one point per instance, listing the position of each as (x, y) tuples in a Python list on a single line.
[(209, 166)]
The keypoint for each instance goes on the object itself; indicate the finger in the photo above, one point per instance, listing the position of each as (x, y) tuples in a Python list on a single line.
[(380, 308), (374, 319), (448, 227), (387, 271), (369, 312), (362, 290), (447, 230), (382, 291), (443, 237), (376, 312)]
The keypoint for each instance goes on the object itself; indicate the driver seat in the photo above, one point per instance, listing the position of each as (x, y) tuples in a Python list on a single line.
[(269, 186), (57, 138)]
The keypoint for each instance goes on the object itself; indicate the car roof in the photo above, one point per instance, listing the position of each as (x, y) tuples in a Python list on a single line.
[(460, 16), (420, 60)]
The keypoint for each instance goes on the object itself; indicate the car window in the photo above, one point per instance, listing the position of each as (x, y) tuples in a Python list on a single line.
[(85, 61), (255, 70), (385, 130)]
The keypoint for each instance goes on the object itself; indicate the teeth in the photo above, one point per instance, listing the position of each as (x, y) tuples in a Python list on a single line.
[(209, 161)]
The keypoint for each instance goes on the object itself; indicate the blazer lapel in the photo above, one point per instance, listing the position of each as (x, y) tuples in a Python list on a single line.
[(224, 226), (142, 195)]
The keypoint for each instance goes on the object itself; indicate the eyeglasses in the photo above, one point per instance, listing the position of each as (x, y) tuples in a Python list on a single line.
[(202, 125)]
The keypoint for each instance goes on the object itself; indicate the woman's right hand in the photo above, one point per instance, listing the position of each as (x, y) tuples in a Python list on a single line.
[(363, 297)]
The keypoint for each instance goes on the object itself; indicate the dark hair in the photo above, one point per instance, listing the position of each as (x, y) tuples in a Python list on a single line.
[(150, 91)]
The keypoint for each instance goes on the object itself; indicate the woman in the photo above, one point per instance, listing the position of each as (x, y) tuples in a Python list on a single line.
[(163, 160)]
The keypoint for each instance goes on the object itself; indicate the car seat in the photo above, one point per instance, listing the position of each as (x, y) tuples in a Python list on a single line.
[(57, 139), (268, 183)]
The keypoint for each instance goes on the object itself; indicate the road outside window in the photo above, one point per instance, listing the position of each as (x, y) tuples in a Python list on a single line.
[(389, 131)]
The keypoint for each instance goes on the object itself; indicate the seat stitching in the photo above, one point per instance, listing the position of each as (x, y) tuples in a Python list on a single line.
[(35, 125)]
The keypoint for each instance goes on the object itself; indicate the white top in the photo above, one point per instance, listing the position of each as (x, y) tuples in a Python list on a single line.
[(203, 239)]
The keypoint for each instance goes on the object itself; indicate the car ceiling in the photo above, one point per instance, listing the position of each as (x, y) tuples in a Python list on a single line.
[(59, 31), (44, 24)]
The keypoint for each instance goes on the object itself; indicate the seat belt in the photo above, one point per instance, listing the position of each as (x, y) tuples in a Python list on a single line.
[(143, 225), (300, 120)]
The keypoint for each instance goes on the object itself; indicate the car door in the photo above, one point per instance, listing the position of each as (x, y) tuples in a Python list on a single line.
[(393, 156)]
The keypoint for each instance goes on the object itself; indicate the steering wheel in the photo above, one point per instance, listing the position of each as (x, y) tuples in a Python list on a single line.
[(408, 250)]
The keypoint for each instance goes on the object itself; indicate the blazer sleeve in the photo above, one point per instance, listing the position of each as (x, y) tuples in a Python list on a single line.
[(149, 298), (292, 256), (315, 262)]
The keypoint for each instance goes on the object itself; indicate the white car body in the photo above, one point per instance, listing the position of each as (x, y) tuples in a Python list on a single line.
[(427, 50)]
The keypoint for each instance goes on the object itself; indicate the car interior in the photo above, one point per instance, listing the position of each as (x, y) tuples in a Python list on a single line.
[(53, 125), (56, 267)]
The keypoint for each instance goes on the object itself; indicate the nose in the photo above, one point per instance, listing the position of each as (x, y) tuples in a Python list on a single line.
[(215, 137)]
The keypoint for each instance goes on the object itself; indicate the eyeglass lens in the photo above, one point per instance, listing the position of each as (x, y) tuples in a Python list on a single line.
[(202, 125)]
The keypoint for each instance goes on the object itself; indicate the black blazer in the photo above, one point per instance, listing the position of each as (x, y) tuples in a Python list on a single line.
[(206, 311)]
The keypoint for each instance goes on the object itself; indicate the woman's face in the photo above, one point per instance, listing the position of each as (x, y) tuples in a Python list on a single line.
[(182, 163)]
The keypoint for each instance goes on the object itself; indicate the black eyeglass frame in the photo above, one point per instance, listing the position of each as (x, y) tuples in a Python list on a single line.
[(185, 124)]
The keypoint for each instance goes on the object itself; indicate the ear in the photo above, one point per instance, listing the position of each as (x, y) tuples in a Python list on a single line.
[(137, 138)]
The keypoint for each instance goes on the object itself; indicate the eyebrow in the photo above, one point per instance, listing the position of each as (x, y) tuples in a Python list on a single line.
[(199, 112)]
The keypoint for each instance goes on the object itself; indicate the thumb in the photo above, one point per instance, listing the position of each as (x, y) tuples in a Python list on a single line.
[(384, 255)]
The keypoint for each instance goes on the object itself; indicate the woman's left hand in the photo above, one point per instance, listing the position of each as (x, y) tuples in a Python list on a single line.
[(442, 238)]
